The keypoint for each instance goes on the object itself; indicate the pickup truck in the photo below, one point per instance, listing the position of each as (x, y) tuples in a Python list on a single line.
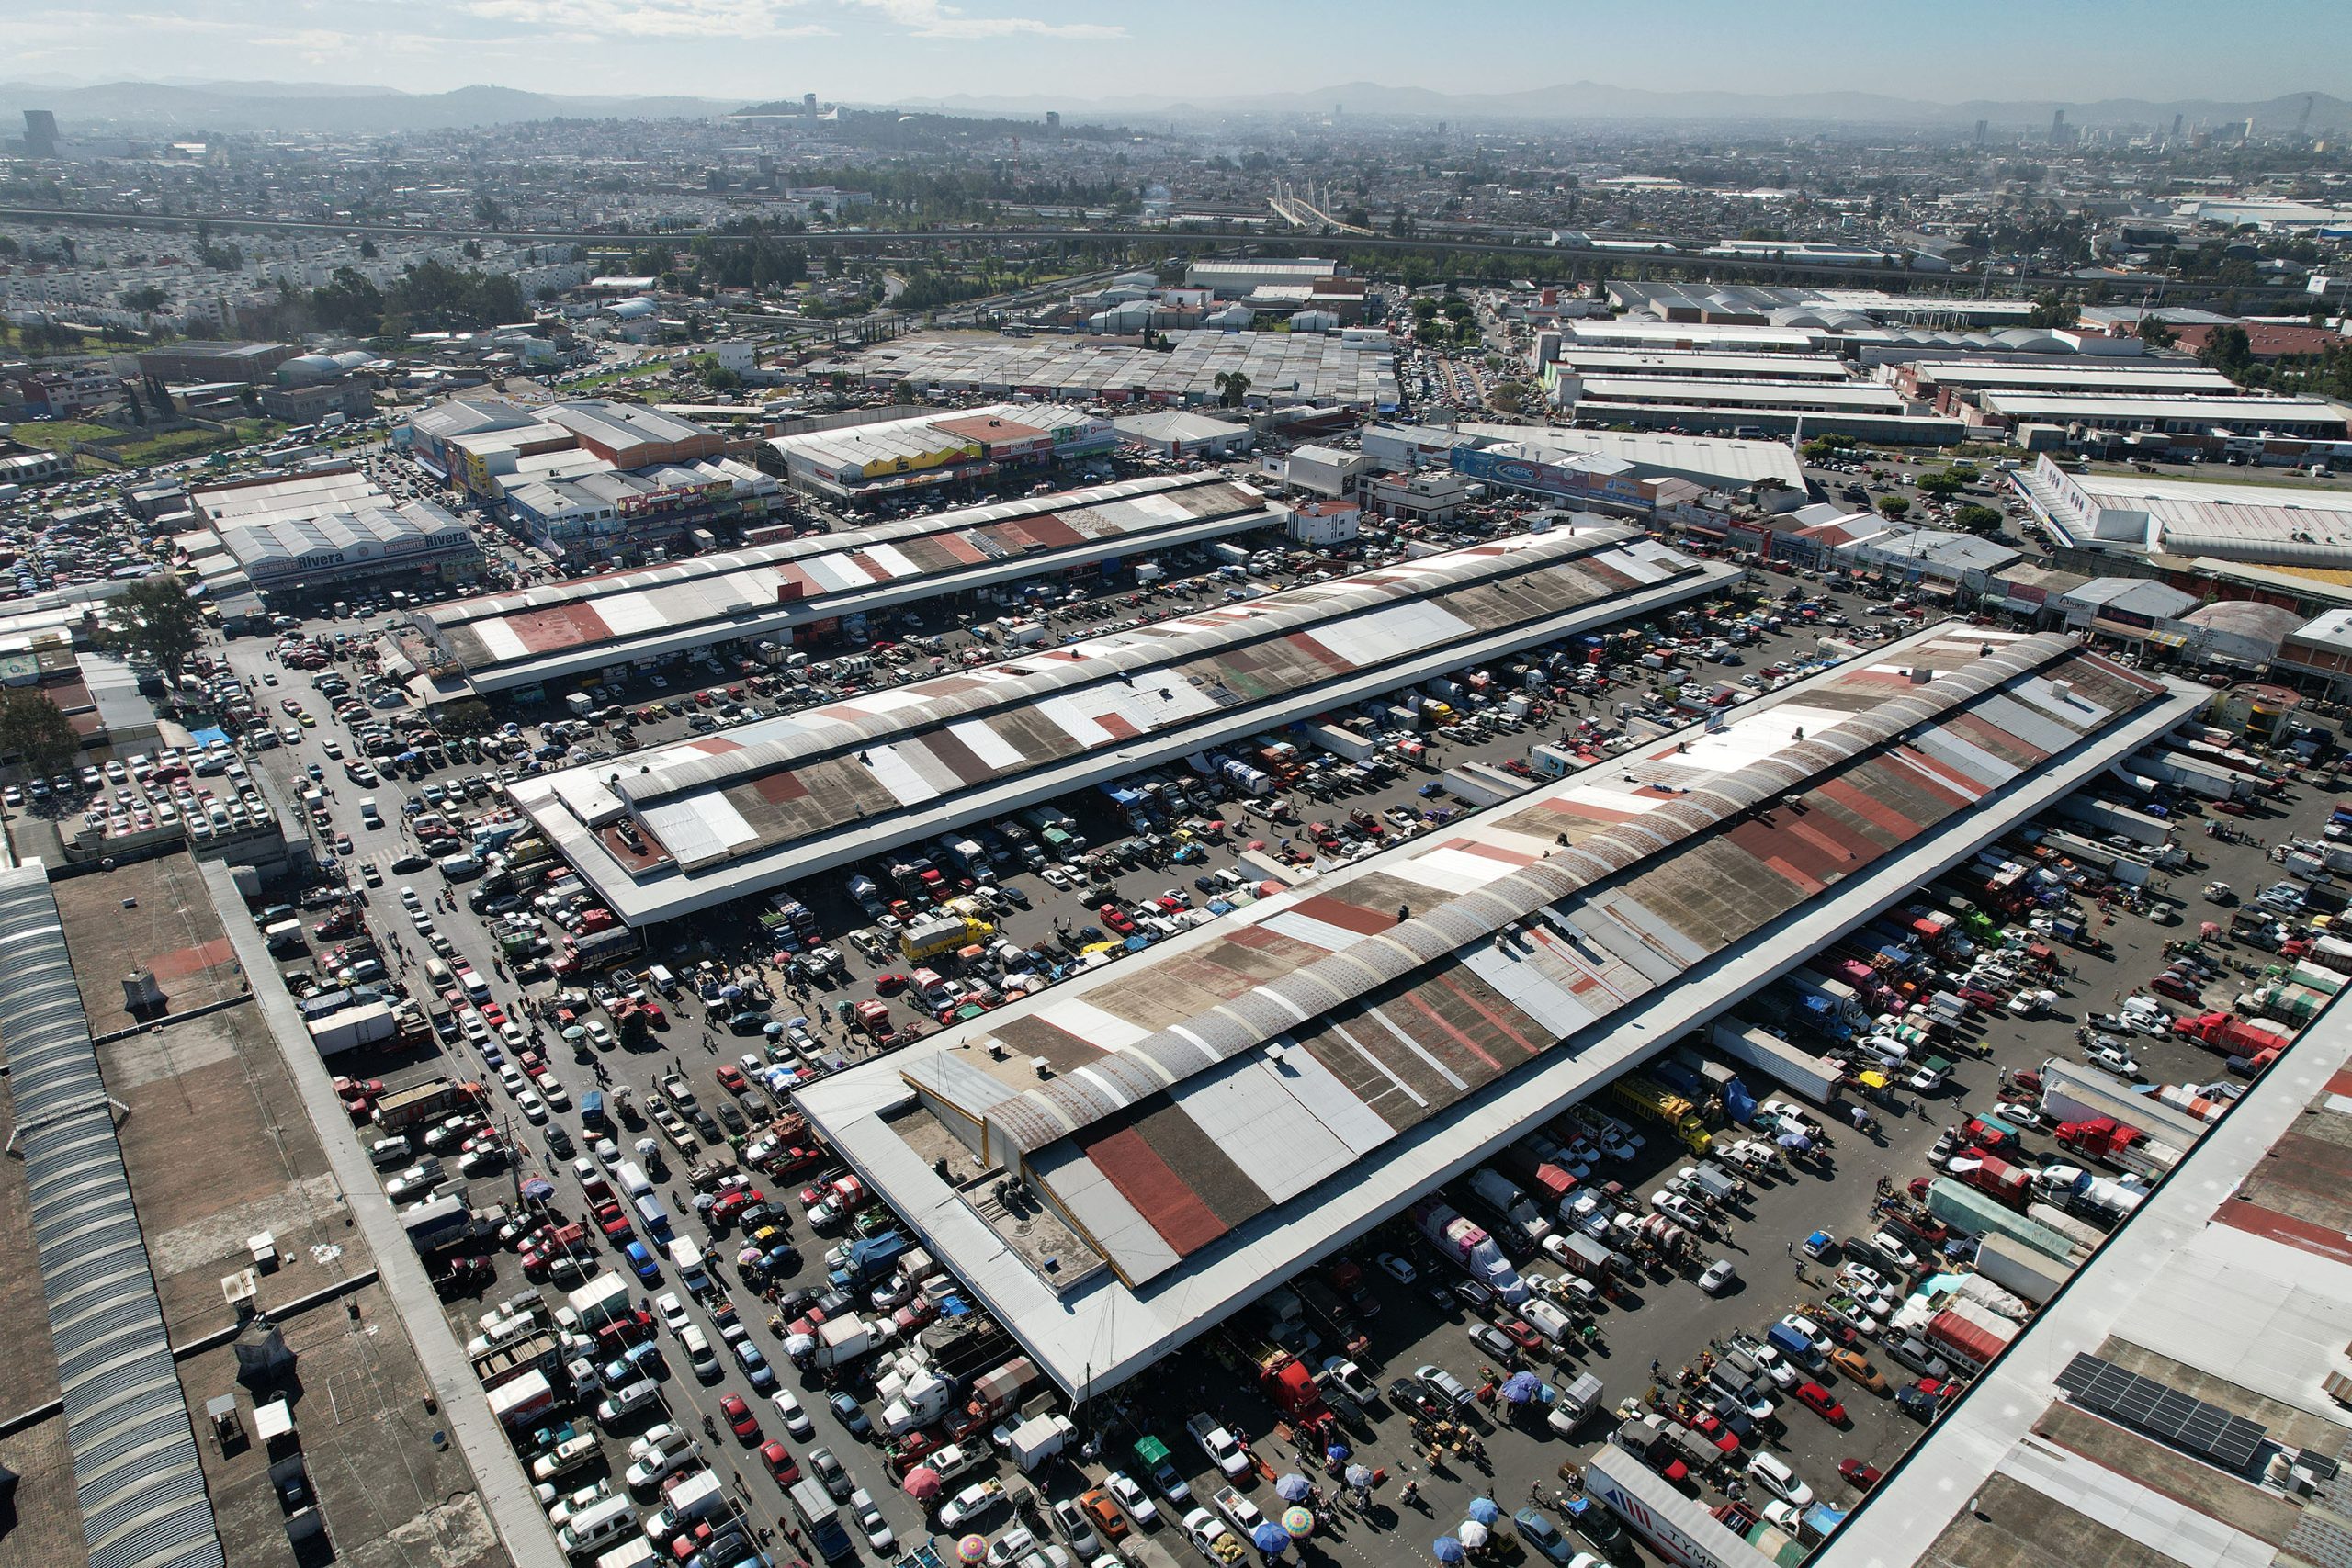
[(1212, 1539)]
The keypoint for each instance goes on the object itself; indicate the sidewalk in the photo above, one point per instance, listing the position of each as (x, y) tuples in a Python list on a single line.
[(507, 1494)]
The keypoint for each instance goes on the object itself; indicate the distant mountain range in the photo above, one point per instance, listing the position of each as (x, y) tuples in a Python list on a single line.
[(193, 106), (1600, 101), (190, 107)]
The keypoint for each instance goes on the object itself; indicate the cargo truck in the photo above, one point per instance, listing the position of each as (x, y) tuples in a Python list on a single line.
[(522, 1401), (1652, 1101), (406, 1108), (1970, 1334), (2072, 1091), (1511, 1204), (353, 1029), (2009, 1185), (1469, 1248), (2015, 1267), (2229, 1035), (1808, 1077), (2100, 1199), (2117, 1144), (1972, 1212)]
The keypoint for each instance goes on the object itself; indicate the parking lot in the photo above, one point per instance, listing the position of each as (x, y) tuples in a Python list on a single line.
[(1663, 1319)]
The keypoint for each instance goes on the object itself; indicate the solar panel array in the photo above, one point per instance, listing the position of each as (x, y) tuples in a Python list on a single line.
[(2207, 1430)]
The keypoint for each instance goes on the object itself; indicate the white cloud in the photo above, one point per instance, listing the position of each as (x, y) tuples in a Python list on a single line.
[(713, 19), (934, 18)]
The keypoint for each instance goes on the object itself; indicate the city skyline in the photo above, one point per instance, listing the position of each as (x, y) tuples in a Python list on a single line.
[(885, 50)]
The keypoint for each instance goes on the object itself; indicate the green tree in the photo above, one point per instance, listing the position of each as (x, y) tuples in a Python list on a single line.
[(1894, 508), (2229, 351), (1943, 485), (34, 730), (1972, 517), (347, 302), (156, 620), (2156, 332), (468, 716), (2050, 310), (146, 300), (1508, 397), (1232, 389)]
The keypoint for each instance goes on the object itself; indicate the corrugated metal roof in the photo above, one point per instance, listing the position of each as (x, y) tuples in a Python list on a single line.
[(135, 1466), (727, 592), (1661, 862)]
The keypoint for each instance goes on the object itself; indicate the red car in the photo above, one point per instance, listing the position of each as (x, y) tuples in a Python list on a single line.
[(2171, 985), (1118, 920), (782, 1466), (730, 1077), (734, 1202), (614, 1223), (1821, 1402), (1519, 1333), (1862, 1477), (739, 1415), (493, 1014), (1725, 1440), (889, 984), (1976, 996)]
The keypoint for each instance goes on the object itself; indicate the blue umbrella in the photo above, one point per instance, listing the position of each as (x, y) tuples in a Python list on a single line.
[(1521, 1387), (1270, 1537), (539, 1190), (1337, 1452), (1485, 1511), (1358, 1477), (1447, 1550), (1293, 1488)]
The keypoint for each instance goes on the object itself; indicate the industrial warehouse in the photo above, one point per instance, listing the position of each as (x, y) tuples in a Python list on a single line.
[(1187, 1126), (1282, 369), (664, 833), (519, 640)]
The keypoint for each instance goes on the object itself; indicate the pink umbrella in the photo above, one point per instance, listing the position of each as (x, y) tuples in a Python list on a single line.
[(923, 1483)]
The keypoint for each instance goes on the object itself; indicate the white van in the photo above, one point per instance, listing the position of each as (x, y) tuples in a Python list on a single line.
[(632, 1179), (595, 1527), (699, 1355), (368, 814)]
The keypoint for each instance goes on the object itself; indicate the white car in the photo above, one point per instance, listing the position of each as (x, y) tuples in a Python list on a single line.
[(1132, 1497), (796, 1420), (1718, 1277), (1811, 1332), (672, 1312), (2120, 1063), (870, 1520), (1768, 1472), (1680, 1210), (534, 1109), (1224, 1450)]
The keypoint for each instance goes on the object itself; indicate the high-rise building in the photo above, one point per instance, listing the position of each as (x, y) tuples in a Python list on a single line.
[(41, 134), (2175, 127), (808, 102), (2058, 128), (1053, 119), (1980, 133)]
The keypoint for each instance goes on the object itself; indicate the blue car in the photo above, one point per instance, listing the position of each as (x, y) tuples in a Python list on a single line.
[(642, 1261), (755, 1366)]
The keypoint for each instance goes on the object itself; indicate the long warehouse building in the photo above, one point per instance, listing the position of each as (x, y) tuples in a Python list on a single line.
[(675, 829), (506, 642), (1196, 1124)]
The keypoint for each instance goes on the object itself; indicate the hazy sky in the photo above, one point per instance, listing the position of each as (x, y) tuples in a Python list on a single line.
[(879, 50)]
